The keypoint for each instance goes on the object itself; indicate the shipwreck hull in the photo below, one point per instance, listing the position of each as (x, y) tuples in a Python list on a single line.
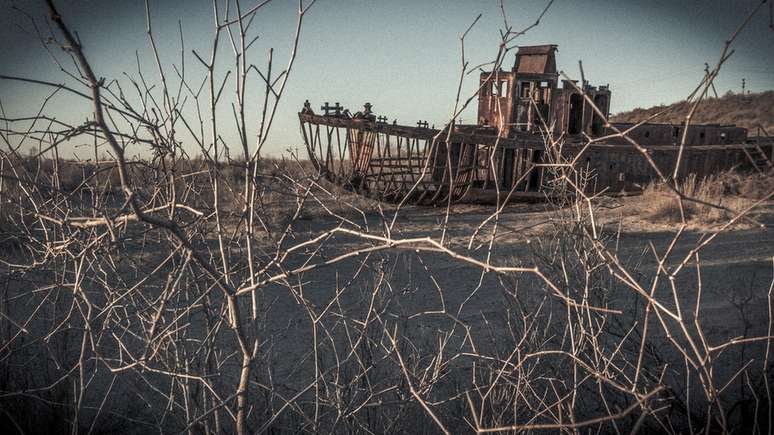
[(390, 162), (419, 165), (503, 156)]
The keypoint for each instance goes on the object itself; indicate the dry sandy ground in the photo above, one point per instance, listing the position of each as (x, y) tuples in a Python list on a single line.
[(736, 270), (430, 294)]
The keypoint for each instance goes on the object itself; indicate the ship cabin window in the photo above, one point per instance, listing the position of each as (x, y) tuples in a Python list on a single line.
[(675, 135), (575, 110), (545, 95), (524, 90), (496, 89), (539, 91), (597, 122)]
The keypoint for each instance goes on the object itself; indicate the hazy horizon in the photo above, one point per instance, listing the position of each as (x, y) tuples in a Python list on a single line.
[(402, 57)]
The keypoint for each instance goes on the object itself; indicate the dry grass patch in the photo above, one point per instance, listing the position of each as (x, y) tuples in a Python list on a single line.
[(729, 190), (748, 111)]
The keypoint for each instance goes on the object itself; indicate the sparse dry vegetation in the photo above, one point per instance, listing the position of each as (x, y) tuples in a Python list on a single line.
[(219, 294), (736, 191), (749, 111)]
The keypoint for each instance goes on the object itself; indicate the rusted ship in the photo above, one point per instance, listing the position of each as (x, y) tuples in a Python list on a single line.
[(529, 123)]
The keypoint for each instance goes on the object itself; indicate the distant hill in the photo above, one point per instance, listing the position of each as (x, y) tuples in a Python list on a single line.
[(742, 110)]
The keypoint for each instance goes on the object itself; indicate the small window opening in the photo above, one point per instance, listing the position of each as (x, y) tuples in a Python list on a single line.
[(701, 135), (575, 109), (647, 134), (524, 90), (504, 88), (597, 121), (494, 89)]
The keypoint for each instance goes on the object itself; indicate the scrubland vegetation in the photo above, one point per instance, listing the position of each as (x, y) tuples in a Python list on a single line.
[(750, 111), (244, 295), (732, 189)]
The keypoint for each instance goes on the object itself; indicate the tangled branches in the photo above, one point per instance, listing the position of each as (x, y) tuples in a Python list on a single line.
[(219, 294)]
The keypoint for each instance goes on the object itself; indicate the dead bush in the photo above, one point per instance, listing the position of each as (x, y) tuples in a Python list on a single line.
[(237, 294)]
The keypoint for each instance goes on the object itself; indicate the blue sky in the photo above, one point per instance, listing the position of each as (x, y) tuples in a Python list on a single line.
[(402, 56)]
